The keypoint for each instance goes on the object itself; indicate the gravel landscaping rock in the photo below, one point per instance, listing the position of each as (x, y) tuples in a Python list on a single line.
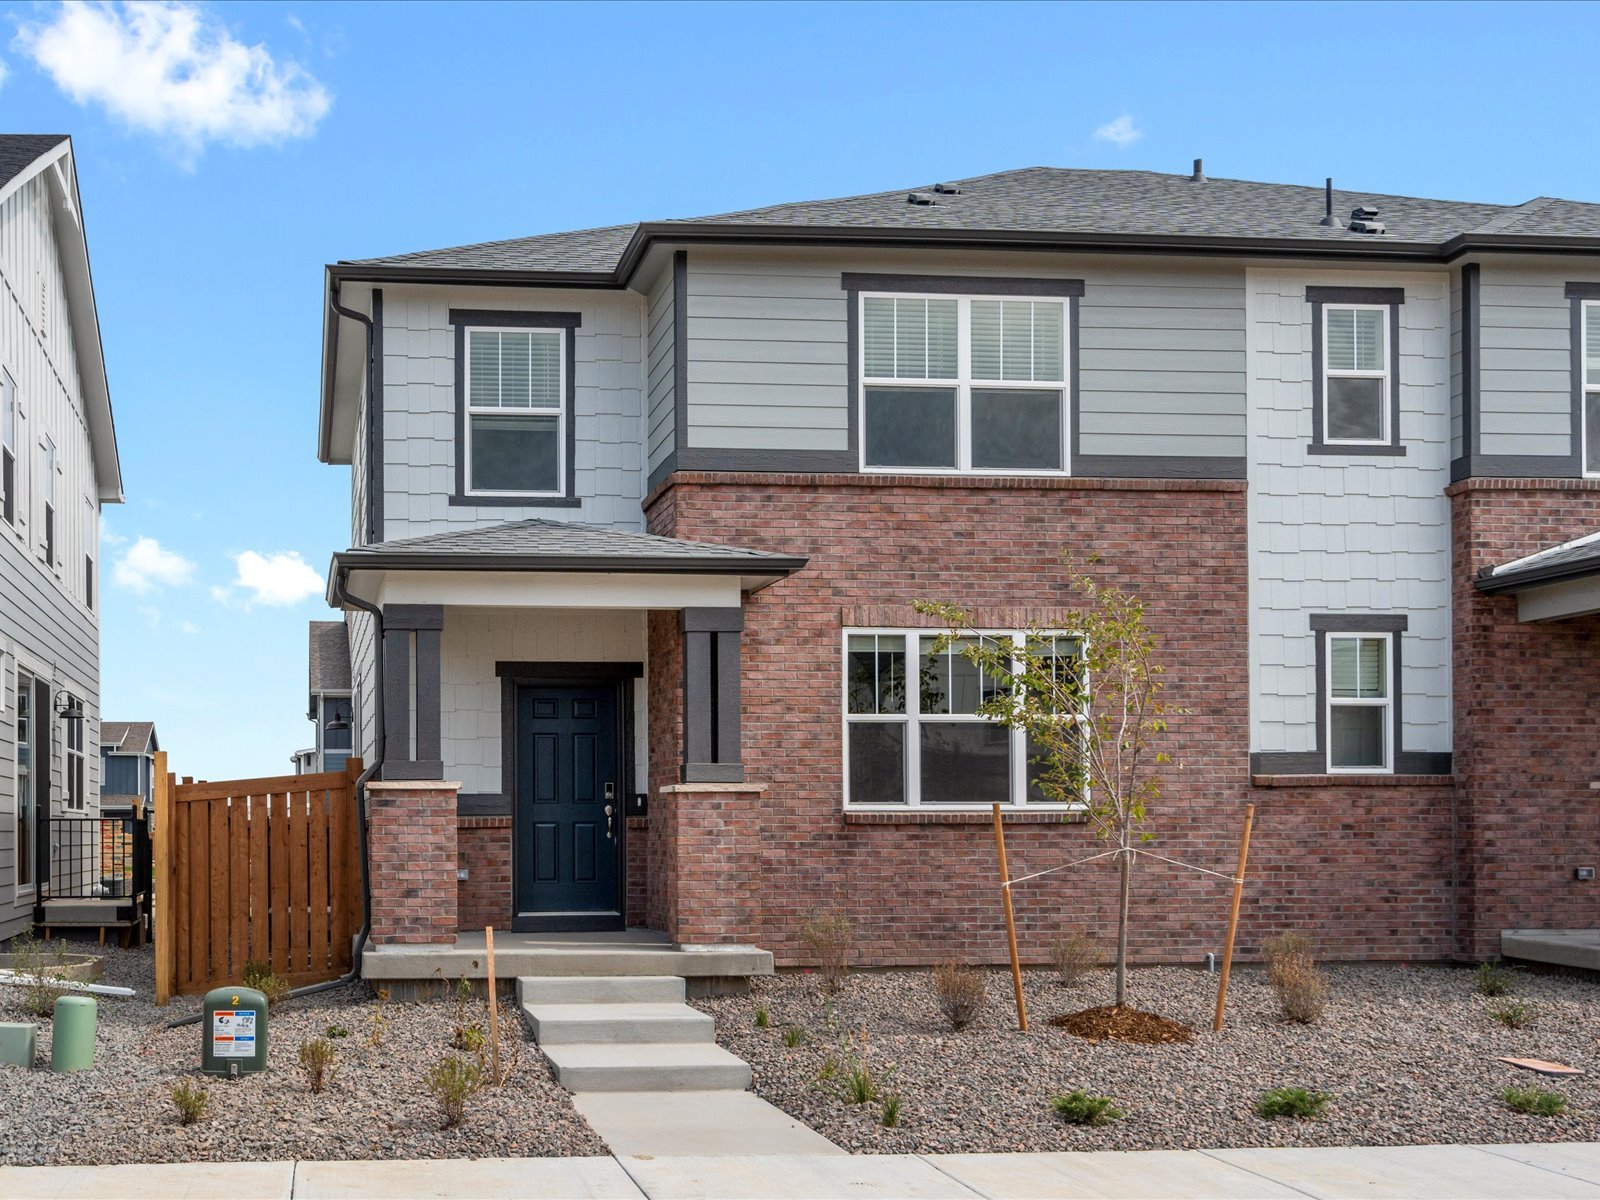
[(1407, 1052), (376, 1106)]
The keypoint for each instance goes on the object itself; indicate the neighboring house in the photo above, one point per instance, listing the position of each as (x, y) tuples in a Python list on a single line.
[(128, 762), (58, 465), (639, 515), (330, 702)]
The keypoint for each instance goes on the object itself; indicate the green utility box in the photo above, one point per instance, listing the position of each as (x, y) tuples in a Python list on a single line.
[(19, 1043), (72, 1034), (233, 1039)]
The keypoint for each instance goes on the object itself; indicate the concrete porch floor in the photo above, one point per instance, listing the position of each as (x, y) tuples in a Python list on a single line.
[(1554, 947), (631, 952)]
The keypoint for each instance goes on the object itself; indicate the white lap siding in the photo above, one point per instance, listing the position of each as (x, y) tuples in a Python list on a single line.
[(1345, 533), (475, 639)]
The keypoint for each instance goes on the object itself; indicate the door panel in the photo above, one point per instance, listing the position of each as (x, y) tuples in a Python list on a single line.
[(568, 851)]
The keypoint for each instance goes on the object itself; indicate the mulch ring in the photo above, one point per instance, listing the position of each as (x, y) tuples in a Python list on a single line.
[(1120, 1023)]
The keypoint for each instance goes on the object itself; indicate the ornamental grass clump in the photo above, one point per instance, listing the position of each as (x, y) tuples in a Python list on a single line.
[(1534, 1102), (961, 992), (1076, 956), (1513, 1014), (191, 1100), (1493, 979)]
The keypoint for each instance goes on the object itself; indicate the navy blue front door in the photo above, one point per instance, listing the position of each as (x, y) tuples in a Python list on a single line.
[(568, 808)]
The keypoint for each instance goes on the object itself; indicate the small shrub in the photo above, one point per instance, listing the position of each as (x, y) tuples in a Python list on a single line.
[(1294, 1102), (1302, 989), (859, 1085), (890, 1115), (763, 1019), (1513, 1014), (1080, 1108), (454, 1080), (469, 1037), (830, 940), (380, 1019), (793, 1036), (1288, 950), (41, 968), (261, 977), (316, 1060), (828, 1068), (191, 1101), (1075, 956), (336, 1031), (961, 991), (1534, 1101), (1493, 979)]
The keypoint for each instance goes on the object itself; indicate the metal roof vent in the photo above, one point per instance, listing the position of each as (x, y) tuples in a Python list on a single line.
[(947, 189), (1365, 220), (1199, 175), (921, 198)]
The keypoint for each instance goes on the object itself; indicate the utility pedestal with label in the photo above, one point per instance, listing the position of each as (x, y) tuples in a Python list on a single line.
[(233, 1039)]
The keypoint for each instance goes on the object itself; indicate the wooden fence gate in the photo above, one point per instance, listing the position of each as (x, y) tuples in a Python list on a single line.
[(254, 870)]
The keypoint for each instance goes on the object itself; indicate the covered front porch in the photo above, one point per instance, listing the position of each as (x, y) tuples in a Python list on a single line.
[(557, 727)]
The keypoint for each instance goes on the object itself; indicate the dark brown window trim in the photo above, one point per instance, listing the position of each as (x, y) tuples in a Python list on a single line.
[(1318, 297)]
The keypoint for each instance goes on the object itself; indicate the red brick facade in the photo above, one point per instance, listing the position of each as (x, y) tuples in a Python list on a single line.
[(411, 851), (1527, 698), (1374, 868)]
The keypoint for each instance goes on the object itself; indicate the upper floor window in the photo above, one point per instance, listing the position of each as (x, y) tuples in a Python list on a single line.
[(48, 447), (1590, 412), (1355, 381), (515, 407), (913, 734), (8, 448), (964, 383), (90, 544)]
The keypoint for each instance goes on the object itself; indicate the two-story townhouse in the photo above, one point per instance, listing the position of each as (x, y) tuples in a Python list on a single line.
[(128, 762), (329, 702), (640, 513), (58, 465)]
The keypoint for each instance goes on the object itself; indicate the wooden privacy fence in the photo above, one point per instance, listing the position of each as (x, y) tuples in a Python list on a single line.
[(254, 870)]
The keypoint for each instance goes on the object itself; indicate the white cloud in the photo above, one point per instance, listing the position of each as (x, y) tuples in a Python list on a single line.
[(277, 579), (169, 68), (4, 71), (1121, 133), (147, 564)]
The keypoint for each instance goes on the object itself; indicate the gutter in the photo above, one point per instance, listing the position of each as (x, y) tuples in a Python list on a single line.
[(330, 362), (345, 561)]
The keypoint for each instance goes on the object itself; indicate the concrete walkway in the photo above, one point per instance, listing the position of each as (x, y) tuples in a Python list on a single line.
[(1368, 1173)]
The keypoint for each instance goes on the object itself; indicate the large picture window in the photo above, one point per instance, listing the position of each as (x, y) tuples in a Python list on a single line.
[(913, 736), (964, 383)]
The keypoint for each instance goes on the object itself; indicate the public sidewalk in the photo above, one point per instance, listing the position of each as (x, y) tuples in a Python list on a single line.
[(1539, 1170)]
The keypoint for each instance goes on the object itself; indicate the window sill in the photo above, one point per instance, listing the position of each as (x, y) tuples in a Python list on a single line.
[(1355, 449), (965, 816), (504, 501), (1315, 781)]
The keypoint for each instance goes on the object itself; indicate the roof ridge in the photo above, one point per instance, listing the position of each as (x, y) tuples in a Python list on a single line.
[(1516, 213)]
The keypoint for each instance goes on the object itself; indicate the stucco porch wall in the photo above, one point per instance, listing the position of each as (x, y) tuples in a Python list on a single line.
[(1365, 870)]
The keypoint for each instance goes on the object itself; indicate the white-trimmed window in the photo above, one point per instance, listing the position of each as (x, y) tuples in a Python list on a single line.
[(1590, 417), (912, 734), (516, 413), (91, 543), (1356, 380), (1360, 701), (48, 454), (964, 384), (25, 823), (8, 448)]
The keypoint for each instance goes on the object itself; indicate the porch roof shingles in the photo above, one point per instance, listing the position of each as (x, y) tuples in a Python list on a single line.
[(539, 544), (1576, 559)]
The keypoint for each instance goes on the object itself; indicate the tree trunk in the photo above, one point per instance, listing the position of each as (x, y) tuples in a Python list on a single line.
[(1126, 865)]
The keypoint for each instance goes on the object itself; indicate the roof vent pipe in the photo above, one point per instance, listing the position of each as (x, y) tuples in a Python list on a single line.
[(1328, 218), (1199, 175)]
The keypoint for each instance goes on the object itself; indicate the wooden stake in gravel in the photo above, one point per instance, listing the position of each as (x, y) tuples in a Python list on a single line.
[(1011, 920), (1233, 917), (494, 1008)]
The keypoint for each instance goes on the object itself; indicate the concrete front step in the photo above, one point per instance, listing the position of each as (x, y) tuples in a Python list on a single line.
[(601, 989), (635, 1067), (650, 1024)]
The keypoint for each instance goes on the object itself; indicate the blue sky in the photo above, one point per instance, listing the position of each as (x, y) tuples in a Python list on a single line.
[(227, 153)]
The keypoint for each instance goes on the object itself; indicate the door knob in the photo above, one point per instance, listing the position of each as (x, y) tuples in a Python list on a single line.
[(608, 821)]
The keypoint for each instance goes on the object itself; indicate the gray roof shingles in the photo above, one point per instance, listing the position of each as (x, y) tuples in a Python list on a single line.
[(127, 737), (540, 538), (329, 657), (18, 151), (1570, 560), (1054, 200)]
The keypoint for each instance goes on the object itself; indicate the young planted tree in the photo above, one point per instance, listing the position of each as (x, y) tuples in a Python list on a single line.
[(1090, 704)]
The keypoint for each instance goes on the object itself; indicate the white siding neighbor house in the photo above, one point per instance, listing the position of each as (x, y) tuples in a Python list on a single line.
[(58, 465)]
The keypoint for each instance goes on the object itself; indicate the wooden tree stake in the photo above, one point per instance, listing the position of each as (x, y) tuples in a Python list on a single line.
[(1011, 920), (494, 1008), (1233, 917)]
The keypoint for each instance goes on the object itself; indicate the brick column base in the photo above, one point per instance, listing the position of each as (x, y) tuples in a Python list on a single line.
[(704, 849), (411, 857)]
